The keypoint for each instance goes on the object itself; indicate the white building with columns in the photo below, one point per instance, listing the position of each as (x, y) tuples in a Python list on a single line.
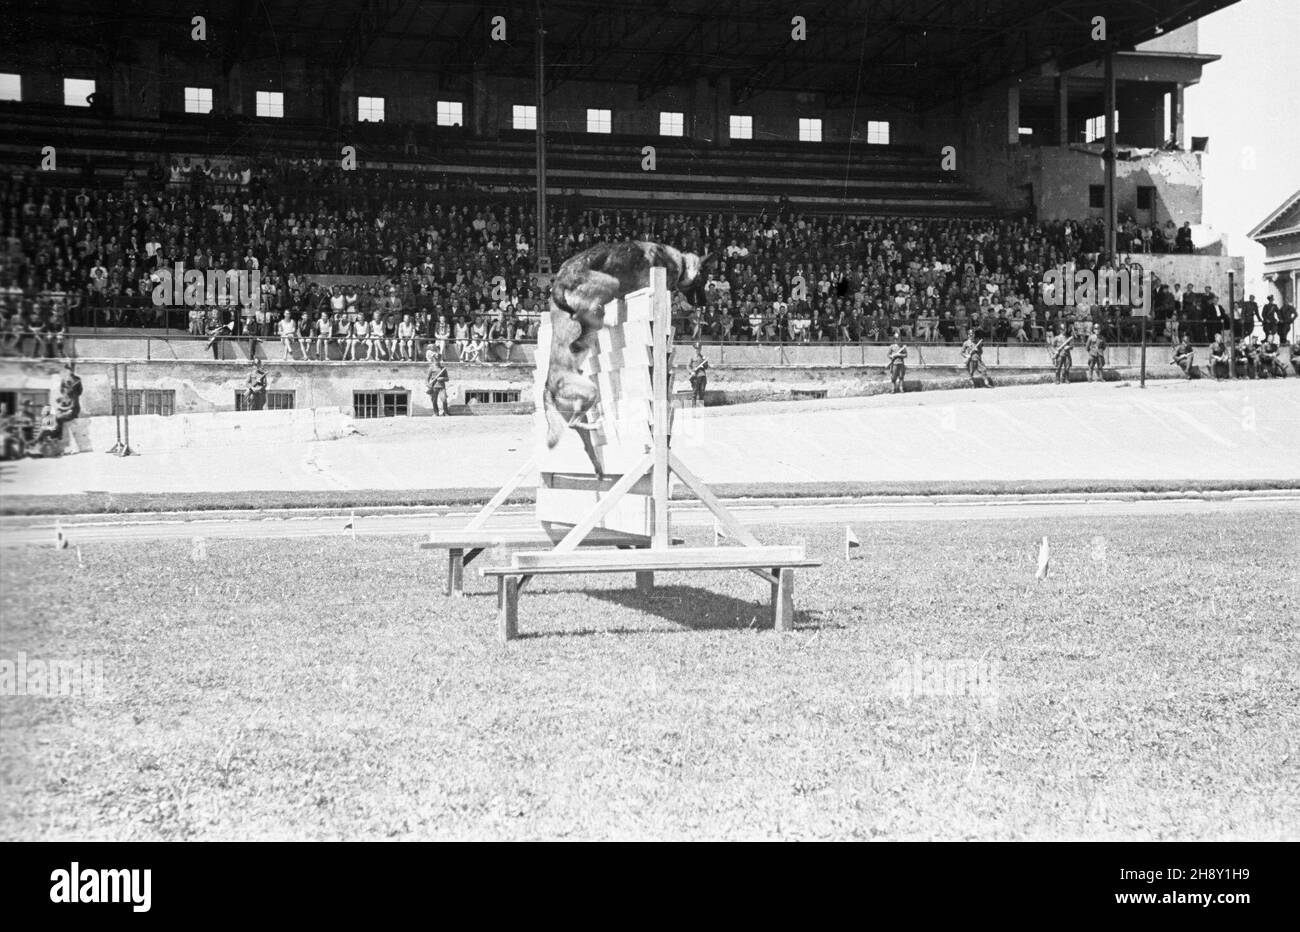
[(1279, 234)]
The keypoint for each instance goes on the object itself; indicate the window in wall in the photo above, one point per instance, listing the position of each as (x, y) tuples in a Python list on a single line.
[(878, 132), (599, 121), (11, 87), (198, 100), (76, 91), (490, 397), (671, 123), (275, 401), (370, 109), (144, 401), (1026, 131), (380, 404), (1097, 196), (524, 117), (741, 127), (11, 401), (451, 113), (1146, 197), (1095, 127), (1169, 116), (270, 104), (810, 130)]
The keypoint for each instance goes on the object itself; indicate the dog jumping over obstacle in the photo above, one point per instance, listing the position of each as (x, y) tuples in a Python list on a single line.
[(583, 286)]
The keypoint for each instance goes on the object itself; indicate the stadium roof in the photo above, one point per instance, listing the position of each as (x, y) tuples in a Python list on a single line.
[(909, 53)]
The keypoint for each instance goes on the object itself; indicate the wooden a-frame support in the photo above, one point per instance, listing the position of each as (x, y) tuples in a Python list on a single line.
[(660, 464)]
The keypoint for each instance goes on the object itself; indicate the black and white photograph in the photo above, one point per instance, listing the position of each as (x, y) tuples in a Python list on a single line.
[(652, 421)]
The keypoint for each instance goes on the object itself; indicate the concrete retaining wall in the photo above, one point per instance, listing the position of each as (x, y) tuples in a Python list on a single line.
[(153, 433), (740, 372)]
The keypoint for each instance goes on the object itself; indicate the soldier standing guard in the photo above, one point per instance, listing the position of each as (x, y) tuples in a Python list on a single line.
[(1096, 354), (435, 382), (698, 377), (255, 393), (897, 366), (973, 352), (1059, 350)]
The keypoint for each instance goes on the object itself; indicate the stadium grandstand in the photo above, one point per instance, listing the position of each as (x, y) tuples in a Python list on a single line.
[(367, 167)]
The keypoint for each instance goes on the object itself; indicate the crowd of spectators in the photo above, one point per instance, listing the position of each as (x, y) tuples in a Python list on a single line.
[(458, 269)]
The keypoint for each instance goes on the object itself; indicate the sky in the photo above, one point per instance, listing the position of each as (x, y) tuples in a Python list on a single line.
[(1248, 100)]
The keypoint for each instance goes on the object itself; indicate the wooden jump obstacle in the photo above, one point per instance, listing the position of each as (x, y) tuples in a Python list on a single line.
[(629, 506)]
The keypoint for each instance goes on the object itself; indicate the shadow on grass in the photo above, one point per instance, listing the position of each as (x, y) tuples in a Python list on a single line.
[(690, 607)]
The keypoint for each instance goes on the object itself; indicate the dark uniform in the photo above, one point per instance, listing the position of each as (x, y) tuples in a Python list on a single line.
[(973, 352), (698, 376), (1062, 359), (897, 366), (255, 393), (1096, 355), (435, 383)]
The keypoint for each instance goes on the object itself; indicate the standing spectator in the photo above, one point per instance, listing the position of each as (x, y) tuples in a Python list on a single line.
[(1285, 318), (1269, 317)]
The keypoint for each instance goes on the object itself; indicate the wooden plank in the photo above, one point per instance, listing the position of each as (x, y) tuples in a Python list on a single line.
[(659, 375), (783, 599), (484, 540), (705, 494), (510, 609), (649, 559), (607, 503), (497, 500), (455, 571)]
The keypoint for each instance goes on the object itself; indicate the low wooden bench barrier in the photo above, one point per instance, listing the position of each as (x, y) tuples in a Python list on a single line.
[(464, 547), (775, 564)]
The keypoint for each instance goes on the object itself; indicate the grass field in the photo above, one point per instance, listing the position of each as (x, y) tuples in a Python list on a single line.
[(168, 501), (326, 689)]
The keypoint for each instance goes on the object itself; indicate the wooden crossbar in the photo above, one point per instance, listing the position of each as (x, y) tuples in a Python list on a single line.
[(548, 562)]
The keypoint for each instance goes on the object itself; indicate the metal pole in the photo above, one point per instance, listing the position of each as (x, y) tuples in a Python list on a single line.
[(543, 257), (126, 412), (1232, 334), (1143, 381), (1109, 157), (116, 403)]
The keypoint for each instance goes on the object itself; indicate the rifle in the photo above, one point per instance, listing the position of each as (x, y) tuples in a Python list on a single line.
[(1056, 353), (968, 353)]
